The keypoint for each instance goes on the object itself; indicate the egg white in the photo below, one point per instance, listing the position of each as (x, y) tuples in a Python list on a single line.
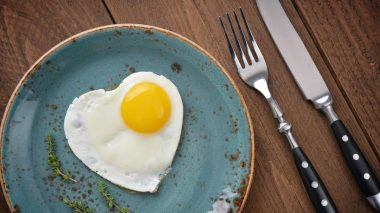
[(98, 136)]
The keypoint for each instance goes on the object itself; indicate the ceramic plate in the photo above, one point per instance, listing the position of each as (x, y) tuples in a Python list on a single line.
[(216, 147)]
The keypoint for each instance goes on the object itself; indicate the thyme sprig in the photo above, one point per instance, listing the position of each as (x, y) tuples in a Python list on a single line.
[(53, 160), (110, 199), (78, 206)]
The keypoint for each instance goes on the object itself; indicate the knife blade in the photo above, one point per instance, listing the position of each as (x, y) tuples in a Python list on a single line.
[(313, 87)]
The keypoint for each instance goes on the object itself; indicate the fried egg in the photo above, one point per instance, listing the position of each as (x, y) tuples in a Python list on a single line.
[(129, 135)]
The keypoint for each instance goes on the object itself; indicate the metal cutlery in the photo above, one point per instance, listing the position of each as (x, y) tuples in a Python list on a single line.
[(313, 87), (256, 76)]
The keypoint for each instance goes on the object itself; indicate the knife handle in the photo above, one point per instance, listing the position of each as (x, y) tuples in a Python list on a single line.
[(314, 186), (356, 161)]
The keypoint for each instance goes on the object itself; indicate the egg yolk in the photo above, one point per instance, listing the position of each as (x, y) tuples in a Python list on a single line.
[(145, 107)]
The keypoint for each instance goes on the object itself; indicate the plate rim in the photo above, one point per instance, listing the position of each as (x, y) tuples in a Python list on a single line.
[(34, 67)]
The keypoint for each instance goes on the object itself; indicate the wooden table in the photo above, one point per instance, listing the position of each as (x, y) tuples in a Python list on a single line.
[(343, 38)]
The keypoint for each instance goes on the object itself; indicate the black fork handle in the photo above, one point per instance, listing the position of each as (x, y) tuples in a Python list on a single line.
[(313, 184)]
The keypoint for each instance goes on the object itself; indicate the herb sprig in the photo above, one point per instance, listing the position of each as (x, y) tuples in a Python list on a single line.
[(110, 199), (78, 206), (53, 160)]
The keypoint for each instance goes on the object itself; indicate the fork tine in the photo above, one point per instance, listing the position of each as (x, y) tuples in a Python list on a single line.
[(242, 55), (254, 45), (250, 55), (232, 51)]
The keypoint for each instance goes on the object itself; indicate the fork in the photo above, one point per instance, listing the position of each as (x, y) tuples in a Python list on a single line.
[(256, 76)]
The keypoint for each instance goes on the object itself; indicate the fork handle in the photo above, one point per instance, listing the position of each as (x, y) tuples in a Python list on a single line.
[(313, 184)]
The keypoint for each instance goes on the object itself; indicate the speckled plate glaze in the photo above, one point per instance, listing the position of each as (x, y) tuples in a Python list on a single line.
[(216, 149)]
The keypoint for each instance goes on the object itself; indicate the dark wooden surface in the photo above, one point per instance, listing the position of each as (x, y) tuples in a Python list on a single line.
[(343, 38)]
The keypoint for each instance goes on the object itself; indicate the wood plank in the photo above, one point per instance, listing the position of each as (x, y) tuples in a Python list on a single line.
[(347, 34), (30, 28), (277, 186)]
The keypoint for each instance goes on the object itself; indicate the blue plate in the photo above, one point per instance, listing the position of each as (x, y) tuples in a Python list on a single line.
[(216, 147)]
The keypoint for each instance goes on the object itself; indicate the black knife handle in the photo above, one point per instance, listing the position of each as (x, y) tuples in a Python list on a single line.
[(355, 159), (315, 188)]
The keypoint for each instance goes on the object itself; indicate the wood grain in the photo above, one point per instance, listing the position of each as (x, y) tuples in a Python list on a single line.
[(347, 34), (342, 37), (30, 28), (277, 187)]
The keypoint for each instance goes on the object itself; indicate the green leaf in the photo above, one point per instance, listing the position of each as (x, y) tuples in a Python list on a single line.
[(124, 210), (78, 206), (110, 200), (53, 160)]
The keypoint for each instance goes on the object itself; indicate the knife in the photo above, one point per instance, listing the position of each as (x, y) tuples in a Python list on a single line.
[(314, 89)]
